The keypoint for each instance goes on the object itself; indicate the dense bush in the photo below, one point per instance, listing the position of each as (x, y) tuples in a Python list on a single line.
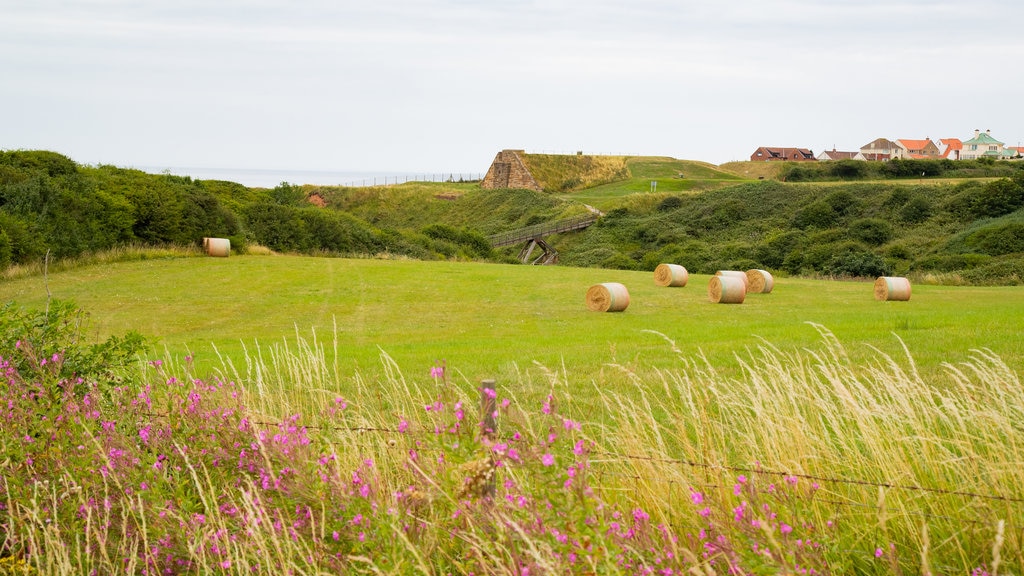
[(1005, 238), (871, 231), (857, 264)]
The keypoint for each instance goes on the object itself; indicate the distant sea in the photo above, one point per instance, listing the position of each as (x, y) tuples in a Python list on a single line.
[(257, 178)]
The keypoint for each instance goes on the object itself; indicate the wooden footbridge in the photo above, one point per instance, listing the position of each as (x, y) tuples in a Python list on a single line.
[(533, 237)]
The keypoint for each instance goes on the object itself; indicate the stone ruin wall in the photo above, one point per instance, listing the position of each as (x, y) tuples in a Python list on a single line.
[(509, 171)]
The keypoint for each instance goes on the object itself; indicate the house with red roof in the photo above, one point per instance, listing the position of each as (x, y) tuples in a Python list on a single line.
[(918, 149), (950, 148), (769, 154)]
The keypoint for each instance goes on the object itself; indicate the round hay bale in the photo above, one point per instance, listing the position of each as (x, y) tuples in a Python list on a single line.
[(607, 297), (892, 288), (670, 275), (759, 281), (727, 289), (737, 273), (217, 247)]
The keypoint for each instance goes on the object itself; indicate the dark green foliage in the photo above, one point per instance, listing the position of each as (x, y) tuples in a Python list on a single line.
[(871, 231), (1004, 238), (998, 198), (843, 203), (916, 210), (5, 249), (777, 247), (25, 245), (1004, 272), (991, 200), (818, 214), (851, 260), (277, 227), (848, 169), (287, 194), (910, 167), (951, 262), (670, 203), (471, 244)]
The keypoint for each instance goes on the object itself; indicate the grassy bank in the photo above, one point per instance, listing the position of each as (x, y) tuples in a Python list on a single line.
[(493, 320)]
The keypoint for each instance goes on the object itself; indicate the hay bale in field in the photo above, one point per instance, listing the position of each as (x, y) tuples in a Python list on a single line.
[(672, 275), (217, 246), (892, 288), (727, 289), (759, 281), (607, 297), (737, 273)]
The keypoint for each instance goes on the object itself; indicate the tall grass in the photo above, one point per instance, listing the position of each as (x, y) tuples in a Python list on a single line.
[(803, 463)]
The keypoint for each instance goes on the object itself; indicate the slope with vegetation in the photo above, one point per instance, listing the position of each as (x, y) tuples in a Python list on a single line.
[(960, 223)]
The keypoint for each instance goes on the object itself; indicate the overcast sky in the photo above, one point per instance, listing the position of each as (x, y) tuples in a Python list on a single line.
[(443, 85)]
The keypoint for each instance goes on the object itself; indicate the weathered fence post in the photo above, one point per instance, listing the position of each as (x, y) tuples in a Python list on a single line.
[(488, 425)]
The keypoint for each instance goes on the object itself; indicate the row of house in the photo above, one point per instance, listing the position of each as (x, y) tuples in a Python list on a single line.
[(983, 145)]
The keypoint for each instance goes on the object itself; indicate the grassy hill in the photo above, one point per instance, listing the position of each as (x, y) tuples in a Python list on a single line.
[(960, 223)]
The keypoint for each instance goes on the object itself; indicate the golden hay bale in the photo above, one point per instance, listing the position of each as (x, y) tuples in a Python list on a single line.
[(727, 289), (892, 288), (759, 281), (607, 297), (670, 275), (737, 273), (217, 246)]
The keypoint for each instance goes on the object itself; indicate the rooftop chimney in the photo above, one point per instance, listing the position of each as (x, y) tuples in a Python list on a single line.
[(977, 132)]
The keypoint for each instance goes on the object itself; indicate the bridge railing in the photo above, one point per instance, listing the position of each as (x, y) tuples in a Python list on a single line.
[(540, 230)]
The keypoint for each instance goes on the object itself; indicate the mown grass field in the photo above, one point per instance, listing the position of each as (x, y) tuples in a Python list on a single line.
[(669, 174), (490, 320)]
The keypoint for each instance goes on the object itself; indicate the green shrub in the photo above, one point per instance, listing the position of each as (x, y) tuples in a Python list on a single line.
[(777, 247), (49, 346), (5, 250), (951, 262), (1005, 238), (916, 210), (1004, 272), (997, 198), (277, 227), (670, 203), (871, 231), (818, 214), (40, 161), (848, 169), (857, 264)]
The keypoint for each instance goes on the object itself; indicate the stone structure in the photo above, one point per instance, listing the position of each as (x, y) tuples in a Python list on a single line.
[(509, 171)]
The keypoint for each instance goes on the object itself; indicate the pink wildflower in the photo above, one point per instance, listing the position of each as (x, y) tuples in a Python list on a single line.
[(547, 459)]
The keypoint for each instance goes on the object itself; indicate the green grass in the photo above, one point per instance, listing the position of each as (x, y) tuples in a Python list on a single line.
[(671, 175), (320, 455), (490, 320)]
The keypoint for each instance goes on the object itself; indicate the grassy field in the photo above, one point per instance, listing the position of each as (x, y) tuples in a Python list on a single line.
[(670, 174), (490, 320), (676, 437)]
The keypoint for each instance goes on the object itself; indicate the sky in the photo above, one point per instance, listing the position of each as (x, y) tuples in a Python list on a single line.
[(443, 85)]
